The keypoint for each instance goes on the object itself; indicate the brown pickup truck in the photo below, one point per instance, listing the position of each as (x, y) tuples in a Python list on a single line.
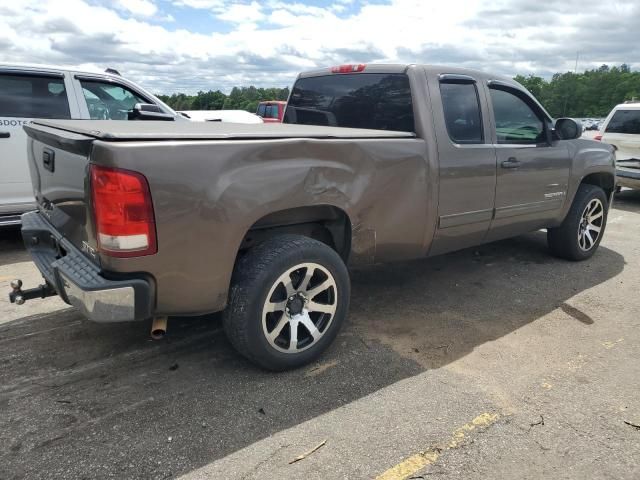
[(375, 163)]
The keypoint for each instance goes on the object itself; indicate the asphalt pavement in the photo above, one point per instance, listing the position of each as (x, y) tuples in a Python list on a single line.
[(494, 362)]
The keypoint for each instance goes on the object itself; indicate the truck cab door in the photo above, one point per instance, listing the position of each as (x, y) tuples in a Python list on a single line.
[(25, 95), (467, 162), (532, 169)]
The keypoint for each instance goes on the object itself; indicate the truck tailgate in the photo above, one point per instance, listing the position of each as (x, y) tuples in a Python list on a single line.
[(58, 163)]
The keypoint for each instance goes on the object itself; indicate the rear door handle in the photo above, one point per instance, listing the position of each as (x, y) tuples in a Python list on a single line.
[(511, 162), (5, 134)]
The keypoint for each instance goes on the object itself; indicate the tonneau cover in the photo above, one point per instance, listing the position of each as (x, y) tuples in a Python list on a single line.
[(123, 130)]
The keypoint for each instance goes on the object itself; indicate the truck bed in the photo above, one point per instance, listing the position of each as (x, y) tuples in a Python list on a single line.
[(211, 183), (110, 130)]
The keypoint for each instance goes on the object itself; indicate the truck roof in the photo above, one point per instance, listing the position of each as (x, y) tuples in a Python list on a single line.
[(123, 130), (34, 67), (403, 67), (628, 106)]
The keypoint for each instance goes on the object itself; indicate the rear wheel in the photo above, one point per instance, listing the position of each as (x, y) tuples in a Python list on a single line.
[(578, 237), (288, 300)]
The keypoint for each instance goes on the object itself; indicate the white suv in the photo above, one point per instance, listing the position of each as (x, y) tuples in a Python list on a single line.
[(621, 129), (28, 92)]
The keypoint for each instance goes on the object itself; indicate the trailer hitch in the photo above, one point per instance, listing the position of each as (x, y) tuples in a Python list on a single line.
[(19, 296)]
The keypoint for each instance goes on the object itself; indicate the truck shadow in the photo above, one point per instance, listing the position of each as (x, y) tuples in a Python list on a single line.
[(438, 310), (81, 399), (11, 250)]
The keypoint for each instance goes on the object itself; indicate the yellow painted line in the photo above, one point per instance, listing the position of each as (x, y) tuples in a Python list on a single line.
[(609, 345), (410, 465), (417, 462)]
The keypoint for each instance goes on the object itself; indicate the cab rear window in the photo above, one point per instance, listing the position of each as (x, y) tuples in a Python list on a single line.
[(625, 121), (271, 111), (33, 96), (379, 101)]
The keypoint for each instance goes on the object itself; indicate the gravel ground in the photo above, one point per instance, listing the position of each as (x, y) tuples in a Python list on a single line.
[(493, 362)]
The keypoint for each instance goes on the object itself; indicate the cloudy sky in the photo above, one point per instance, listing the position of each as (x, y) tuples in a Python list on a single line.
[(189, 45)]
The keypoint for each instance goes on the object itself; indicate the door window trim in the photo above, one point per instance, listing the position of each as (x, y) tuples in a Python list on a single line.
[(455, 78), (30, 73)]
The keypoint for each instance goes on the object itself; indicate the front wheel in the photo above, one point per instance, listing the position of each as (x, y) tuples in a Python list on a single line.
[(288, 300), (579, 235)]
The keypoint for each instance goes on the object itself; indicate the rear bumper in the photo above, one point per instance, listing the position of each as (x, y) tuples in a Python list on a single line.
[(9, 220), (78, 281), (10, 213), (626, 177)]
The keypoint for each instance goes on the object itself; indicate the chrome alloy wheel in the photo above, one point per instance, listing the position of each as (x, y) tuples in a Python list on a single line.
[(299, 308), (590, 224)]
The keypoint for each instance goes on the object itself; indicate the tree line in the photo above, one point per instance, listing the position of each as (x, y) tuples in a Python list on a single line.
[(240, 98), (592, 93)]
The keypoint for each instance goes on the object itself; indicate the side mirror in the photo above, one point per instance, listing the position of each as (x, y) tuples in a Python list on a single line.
[(149, 111), (567, 129)]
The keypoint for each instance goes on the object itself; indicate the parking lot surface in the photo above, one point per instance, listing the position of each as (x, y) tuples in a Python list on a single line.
[(494, 362)]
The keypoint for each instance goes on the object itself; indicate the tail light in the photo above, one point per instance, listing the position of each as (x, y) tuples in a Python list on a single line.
[(598, 137), (125, 223), (348, 68)]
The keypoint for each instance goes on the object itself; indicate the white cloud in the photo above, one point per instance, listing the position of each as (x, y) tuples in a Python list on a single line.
[(201, 4), (267, 43), (143, 8), (242, 13)]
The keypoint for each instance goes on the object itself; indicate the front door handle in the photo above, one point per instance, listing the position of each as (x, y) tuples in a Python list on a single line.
[(511, 162), (5, 134)]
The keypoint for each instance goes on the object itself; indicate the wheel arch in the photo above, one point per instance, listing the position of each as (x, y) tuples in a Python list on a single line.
[(326, 223), (604, 180)]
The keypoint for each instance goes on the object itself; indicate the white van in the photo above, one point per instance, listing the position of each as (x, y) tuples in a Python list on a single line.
[(36, 91), (621, 129)]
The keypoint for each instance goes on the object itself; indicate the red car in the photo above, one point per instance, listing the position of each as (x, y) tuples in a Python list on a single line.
[(271, 111)]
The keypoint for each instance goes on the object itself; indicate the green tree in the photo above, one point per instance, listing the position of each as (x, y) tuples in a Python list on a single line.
[(240, 98), (592, 93)]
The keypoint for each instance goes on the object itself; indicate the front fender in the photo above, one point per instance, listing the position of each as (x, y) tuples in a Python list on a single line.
[(588, 157)]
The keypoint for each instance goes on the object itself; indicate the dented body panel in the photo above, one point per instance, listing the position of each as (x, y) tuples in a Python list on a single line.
[(217, 191)]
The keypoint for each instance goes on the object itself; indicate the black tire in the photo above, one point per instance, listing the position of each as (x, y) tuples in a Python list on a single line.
[(564, 240), (256, 274)]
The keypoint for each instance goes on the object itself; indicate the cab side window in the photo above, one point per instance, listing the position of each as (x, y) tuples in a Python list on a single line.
[(462, 112), (109, 101), (515, 120), (33, 96)]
